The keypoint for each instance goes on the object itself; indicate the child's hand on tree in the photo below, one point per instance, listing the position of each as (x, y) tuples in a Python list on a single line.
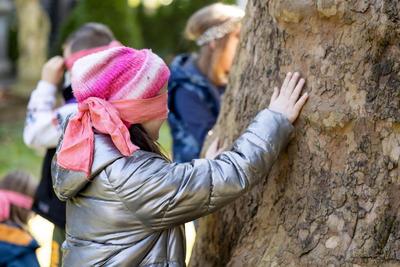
[(215, 149), (286, 100), (53, 70)]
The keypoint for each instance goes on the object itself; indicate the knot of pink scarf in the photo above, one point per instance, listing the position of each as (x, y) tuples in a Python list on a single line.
[(8, 198), (108, 117)]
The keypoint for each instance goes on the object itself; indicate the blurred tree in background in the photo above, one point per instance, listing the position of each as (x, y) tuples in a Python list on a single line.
[(162, 25), (116, 14), (155, 24), (33, 29)]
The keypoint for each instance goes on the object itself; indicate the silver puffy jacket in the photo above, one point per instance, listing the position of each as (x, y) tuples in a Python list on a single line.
[(132, 210)]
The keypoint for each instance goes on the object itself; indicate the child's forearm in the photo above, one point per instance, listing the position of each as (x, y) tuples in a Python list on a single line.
[(43, 97), (41, 129), (251, 158), (192, 190)]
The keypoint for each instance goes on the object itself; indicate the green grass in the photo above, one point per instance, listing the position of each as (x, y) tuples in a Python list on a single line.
[(14, 154)]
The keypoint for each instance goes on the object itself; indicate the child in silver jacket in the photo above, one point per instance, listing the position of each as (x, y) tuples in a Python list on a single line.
[(127, 206)]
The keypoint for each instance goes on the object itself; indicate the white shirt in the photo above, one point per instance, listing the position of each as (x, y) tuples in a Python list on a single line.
[(43, 121)]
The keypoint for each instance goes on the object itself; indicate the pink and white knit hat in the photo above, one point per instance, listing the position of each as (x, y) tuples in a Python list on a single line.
[(119, 73), (114, 88)]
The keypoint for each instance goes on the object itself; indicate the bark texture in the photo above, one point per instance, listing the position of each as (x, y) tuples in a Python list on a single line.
[(33, 33), (333, 197)]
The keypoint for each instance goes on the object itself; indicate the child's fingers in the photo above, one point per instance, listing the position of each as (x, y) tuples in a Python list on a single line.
[(215, 143), (296, 92), (224, 146), (299, 104), (220, 151), (292, 83), (57, 60), (212, 149), (50, 62), (275, 94), (286, 82)]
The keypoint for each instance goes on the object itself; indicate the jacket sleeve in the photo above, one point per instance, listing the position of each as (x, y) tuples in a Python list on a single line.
[(163, 194), (42, 125)]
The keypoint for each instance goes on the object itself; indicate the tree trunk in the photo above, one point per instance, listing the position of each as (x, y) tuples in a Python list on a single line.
[(33, 34), (333, 197)]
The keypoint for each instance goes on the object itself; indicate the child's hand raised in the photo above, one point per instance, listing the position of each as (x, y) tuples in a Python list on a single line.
[(286, 100), (53, 70)]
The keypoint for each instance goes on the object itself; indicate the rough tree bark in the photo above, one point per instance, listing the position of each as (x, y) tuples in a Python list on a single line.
[(333, 197)]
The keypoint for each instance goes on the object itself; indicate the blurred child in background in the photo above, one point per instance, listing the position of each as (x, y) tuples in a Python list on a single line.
[(17, 246), (42, 128), (198, 80)]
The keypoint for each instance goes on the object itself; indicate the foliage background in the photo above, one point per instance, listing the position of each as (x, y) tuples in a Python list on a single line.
[(159, 27)]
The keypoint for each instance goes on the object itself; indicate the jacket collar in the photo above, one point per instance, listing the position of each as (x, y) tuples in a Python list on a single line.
[(68, 184), (14, 235)]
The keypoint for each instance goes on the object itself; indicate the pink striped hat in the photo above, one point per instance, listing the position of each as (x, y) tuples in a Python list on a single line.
[(115, 88), (119, 73)]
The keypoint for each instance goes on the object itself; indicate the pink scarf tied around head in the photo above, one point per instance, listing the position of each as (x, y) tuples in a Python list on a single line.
[(8, 198), (107, 117)]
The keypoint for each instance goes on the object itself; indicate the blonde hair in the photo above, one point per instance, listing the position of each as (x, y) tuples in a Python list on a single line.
[(211, 16)]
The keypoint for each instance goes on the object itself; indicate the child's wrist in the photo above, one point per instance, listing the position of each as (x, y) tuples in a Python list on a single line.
[(47, 88), (49, 80)]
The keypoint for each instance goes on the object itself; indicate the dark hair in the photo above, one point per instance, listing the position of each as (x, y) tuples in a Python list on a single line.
[(89, 35), (20, 182), (141, 138)]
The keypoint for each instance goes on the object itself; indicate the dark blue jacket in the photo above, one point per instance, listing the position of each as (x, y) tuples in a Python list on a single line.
[(17, 247), (194, 104)]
